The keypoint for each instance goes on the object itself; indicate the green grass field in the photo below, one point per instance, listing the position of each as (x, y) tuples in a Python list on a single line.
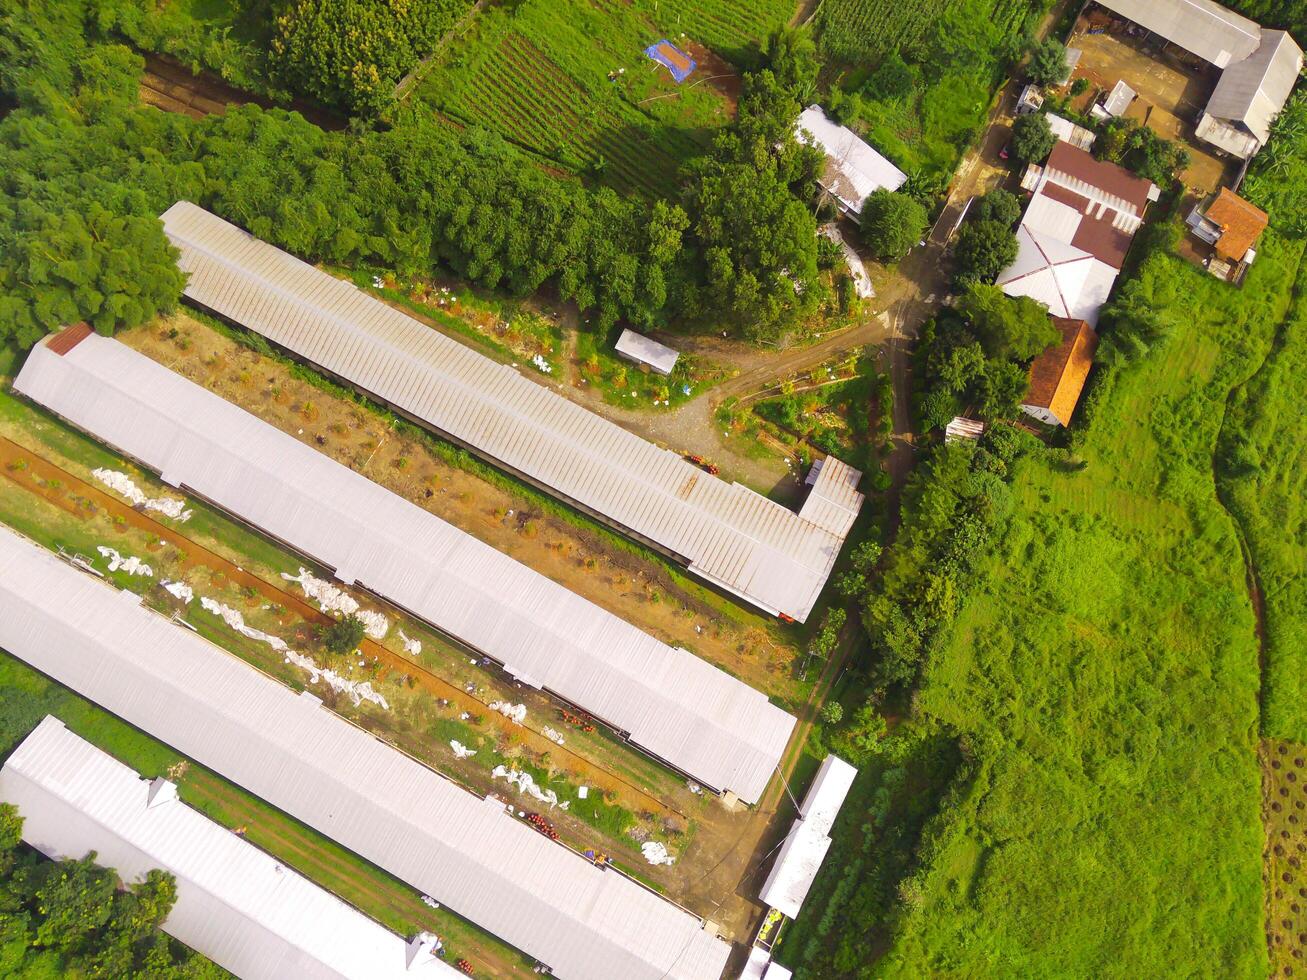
[(1264, 480), (538, 73), (1102, 680)]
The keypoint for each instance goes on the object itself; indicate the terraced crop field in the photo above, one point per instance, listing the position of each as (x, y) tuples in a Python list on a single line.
[(567, 80), (857, 30)]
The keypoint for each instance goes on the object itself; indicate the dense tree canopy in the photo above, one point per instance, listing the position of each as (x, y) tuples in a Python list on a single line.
[(1048, 63), (892, 223), (1032, 139), (998, 205), (1013, 327), (983, 250)]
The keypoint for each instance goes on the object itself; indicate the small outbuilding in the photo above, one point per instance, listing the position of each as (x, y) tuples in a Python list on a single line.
[(644, 350), (1068, 132), (1057, 376), (1230, 225), (1119, 99)]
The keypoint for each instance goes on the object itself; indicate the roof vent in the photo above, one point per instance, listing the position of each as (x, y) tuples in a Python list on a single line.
[(161, 791)]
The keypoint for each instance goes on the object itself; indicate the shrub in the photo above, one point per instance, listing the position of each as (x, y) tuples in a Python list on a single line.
[(892, 223), (1032, 138), (343, 635)]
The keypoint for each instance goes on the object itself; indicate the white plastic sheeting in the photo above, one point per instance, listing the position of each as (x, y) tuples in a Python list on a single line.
[(584, 921), (238, 906), (674, 705), (126, 486)]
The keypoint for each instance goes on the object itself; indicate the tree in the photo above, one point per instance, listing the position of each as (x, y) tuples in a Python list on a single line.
[(998, 205), (1015, 328), (1032, 138), (892, 223), (1048, 63), (983, 250), (862, 563), (832, 712), (343, 635)]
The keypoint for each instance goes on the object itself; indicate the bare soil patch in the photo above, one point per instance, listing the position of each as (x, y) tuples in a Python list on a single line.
[(1284, 872)]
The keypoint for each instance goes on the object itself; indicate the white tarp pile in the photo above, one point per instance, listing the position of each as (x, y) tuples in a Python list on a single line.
[(461, 751), (129, 564), (358, 691), (553, 736), (180, 590), (525, 784), (167, 506), (655, 852), (513, 712), (861, 281), (411, 646), (331, 599)]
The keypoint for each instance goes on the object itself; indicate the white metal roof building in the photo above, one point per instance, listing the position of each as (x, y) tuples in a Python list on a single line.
[(1202, 27), (725, 532), (674, 705), (582, 920), (808, 841), (853, 169), (1069, 132), (238, 906), (645, 350)]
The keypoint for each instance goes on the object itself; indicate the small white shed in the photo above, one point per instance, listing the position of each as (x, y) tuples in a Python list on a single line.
[(645, 350)]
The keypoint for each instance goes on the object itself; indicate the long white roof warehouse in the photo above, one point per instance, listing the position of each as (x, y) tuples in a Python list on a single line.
[(767, 554), (676, 706), (235, 904), (583, 921)]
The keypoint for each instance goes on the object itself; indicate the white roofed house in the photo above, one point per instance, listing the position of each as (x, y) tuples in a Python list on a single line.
[(238, 906), (638, 348), (853, 169), (1074, 235), (1259, 66)]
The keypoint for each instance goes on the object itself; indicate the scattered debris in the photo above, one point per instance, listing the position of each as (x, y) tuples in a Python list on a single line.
[(123, 484), (655, 852), (180, 590), (542, 365), (542, 825), (553, 736), (694, 787), (332, 599), (513, 712), (525, 784), (428, 900), (583, 792), (461, 751), (411, 646), (130, 564)]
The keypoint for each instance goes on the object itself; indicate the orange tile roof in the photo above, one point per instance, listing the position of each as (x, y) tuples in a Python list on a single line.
[(1058, 375), (1241, 224)]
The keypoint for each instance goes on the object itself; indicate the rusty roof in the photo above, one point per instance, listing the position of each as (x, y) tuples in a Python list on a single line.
[(1107, 177), (1241, 224), (69, 337), (1058, 375)]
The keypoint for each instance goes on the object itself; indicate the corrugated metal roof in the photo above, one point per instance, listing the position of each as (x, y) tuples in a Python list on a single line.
[(1254, 90), (646, 350), (728, 534), (1214, 33), (238, 906), (808, 841), (675, 705), (834, 501), (584, 921), (854, 169)]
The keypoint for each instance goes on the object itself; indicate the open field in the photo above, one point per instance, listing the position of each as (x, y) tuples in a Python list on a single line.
[(569, 82), (1103, 680), (27, 696), (1263, 479), (924, 73)]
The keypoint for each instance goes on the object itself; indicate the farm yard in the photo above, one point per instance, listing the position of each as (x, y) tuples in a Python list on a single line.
[(568, 81)]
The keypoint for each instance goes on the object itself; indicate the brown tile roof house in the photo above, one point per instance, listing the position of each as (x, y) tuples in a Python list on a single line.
[(1058, 375), (1241, 224)]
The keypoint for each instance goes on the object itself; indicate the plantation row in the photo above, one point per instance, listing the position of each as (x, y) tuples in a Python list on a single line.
[(729, 28), (866, 30)]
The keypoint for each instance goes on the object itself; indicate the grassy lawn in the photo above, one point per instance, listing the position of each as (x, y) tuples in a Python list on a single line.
[(1102, 682), (27, 696), (1263, 477)]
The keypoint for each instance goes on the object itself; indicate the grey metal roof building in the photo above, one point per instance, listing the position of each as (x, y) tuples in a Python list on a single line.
[(235, 904), (674, 705), (1259, 66), (724, 532), (584, 921), (645, 350)]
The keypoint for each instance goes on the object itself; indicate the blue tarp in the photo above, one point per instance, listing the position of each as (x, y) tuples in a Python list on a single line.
[(672, 58)]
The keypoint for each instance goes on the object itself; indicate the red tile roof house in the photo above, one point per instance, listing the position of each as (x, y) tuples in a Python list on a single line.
[(1057, 376)]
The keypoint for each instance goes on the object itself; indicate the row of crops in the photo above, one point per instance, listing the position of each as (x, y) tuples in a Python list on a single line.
[(732, 28), (856, 31), (568, 81)]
